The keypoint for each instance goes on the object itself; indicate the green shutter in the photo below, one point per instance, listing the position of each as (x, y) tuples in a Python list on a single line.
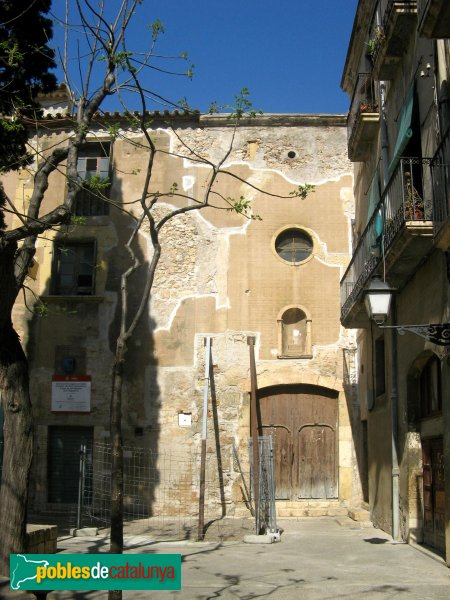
[(404, 131), (373, 196)]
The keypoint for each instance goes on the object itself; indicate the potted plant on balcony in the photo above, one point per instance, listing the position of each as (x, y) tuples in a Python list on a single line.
[(413, 201), (368, 107), (374, 43)]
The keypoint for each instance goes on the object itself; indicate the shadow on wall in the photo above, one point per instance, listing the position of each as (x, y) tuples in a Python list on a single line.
[(358, 427), (75, 337)]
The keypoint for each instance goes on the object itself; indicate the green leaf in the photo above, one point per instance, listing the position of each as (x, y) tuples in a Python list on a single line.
[(157, 28), (302, 191), (97, 183), (77, 220)]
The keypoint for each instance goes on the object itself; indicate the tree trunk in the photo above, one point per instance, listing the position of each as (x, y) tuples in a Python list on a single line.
[(117, 463), (18, 445), (18, 422), (116, 546)]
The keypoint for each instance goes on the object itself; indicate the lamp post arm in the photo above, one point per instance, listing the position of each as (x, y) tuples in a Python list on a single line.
[(437, 333)]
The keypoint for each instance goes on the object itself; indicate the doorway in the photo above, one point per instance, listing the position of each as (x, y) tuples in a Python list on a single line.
[(64, 461), (433, 493), (303, 421)]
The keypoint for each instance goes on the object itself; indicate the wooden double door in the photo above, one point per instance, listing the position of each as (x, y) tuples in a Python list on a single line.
[(303, 421), (433, 493)]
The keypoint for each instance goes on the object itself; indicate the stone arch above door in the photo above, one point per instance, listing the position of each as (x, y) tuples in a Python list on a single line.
[(289, 376)]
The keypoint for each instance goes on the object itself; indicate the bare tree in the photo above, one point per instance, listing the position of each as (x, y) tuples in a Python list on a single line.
[(124, 73)]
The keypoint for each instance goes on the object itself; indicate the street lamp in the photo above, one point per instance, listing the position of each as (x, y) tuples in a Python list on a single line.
[(377, 299)]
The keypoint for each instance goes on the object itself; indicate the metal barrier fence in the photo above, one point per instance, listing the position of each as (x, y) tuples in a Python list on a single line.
[(266, 520), (161, 493)]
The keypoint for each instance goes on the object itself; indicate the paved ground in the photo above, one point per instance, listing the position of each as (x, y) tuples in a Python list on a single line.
[(316, 559)]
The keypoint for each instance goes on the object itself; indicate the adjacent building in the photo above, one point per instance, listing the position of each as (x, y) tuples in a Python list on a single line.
[(397, 76)]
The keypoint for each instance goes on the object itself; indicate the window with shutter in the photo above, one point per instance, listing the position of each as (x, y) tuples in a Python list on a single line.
[(94, 169), (74, 269)]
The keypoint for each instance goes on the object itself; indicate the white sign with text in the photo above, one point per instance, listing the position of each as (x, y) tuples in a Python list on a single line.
[(71, 393)]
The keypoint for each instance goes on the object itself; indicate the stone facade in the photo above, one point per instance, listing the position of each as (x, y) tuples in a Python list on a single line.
[(219, 276)]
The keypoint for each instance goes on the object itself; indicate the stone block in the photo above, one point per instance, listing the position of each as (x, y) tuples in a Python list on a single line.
[(84, 532), (259, 539), (359, 514), (345, 452), (345, 483)]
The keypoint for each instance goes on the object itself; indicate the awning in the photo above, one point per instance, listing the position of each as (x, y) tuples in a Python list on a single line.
[(373, 196), (404, 130)]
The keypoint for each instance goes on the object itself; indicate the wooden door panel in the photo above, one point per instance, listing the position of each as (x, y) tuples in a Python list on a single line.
[(315, 462), (428, 528), (437, 462), (282, 450), (433, 493)]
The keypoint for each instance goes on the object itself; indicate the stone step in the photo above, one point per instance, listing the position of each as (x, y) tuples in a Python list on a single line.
[(310, 508), (307, 503), (359, 514)]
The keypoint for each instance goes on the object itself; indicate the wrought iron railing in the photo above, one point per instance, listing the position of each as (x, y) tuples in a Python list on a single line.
[(380, 27), (405, 198), (363, 101), (440, 177)]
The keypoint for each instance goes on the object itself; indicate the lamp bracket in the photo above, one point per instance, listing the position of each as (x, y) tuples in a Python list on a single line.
[(437, 333)]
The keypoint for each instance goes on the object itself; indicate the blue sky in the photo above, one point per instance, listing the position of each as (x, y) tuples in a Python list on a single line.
[(289, 53)]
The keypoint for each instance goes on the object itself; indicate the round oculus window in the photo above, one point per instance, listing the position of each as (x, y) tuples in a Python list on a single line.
[(294, 245)]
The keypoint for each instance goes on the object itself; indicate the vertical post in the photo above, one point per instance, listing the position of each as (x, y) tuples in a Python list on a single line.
[(201, 501), (81, 484), (394, 427), (254, 426), (273, 512)]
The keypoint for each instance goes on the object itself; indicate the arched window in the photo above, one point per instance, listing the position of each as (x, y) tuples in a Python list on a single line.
[(294, 333)]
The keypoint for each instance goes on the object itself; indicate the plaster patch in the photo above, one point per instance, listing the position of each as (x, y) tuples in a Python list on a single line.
[(168, 325)]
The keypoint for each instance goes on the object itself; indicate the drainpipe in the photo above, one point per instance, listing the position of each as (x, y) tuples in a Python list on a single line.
[(394, 427), (394, 377)]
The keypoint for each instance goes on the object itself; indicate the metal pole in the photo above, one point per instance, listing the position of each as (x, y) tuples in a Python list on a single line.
[(254, 427), (394, 427), (81, 483), (273, 512), (201, 502)]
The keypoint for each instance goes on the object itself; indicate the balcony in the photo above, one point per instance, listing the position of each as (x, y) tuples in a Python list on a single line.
[(434, 18), (363, 119), (389, 42), (440, 177), (395, 240)]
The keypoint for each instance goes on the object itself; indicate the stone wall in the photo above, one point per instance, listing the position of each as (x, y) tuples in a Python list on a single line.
[(219, 276)]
